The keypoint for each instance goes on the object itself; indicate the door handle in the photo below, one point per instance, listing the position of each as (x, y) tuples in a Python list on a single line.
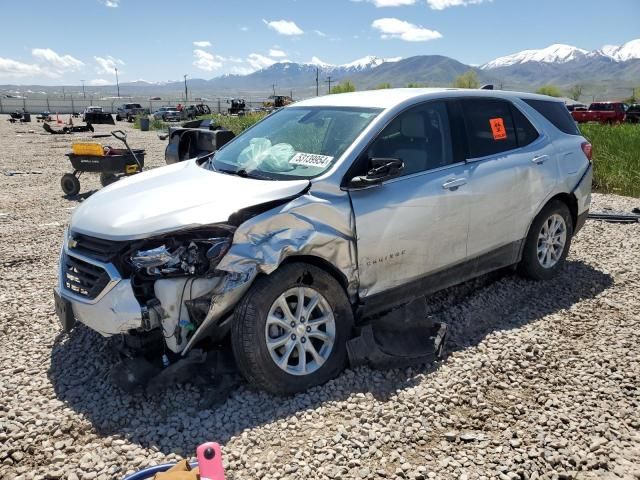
[(540, 159), (454, 183)]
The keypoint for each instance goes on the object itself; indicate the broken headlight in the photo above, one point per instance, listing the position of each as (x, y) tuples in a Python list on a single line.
[(181, 257)]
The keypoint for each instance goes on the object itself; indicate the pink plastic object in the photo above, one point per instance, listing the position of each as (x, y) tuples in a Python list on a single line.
[(210, 461)]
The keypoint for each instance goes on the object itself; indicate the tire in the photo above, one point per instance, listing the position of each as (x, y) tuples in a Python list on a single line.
[(108, 179), (70, 184), (550, 264), (118, 118), (250, 330)]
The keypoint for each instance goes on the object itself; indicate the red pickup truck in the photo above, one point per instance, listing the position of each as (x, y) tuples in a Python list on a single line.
[(601, 112)]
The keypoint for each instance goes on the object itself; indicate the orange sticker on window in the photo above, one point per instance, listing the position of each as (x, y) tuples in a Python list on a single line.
[(497, 128)]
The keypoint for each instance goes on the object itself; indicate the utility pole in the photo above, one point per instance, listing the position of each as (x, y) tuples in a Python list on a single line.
[(64, 95), (117, 82), (328, 80), (84, 95), (186, 93), (317, 84), (274, 89)]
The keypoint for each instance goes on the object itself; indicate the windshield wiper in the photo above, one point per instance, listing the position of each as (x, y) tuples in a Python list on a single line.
[(242, 172)]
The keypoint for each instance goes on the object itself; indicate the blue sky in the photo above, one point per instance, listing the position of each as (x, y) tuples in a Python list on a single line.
[(64, 41)]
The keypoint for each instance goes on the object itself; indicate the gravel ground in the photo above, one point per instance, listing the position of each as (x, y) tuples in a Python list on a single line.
[(541, 380)]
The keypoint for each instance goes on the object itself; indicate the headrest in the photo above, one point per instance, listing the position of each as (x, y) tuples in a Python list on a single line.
[(412, 126)]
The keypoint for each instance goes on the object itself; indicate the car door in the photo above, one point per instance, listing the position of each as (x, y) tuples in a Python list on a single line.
[(512, 167), (414, 224)]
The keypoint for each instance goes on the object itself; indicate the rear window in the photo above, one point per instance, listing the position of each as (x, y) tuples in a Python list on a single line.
[(489, 127), (556, 113)]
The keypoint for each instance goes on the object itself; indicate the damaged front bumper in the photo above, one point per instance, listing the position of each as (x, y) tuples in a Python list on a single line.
[(94, 293), (98, 296)]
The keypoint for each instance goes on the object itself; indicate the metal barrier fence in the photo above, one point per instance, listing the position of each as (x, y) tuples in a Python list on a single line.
[(36, 105)]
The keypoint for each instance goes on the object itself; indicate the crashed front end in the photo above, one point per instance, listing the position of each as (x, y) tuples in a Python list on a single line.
[(166, 282), (184, 284)]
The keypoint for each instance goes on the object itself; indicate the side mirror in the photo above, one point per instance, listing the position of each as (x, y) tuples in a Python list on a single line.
[(381, 169)]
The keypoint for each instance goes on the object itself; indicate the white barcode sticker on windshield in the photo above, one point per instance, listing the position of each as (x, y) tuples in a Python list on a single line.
[(310, 160)]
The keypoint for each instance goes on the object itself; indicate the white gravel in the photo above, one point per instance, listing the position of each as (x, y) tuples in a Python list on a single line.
[(542, 379)]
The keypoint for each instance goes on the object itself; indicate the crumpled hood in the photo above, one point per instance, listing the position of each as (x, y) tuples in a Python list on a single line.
[(171, 198)]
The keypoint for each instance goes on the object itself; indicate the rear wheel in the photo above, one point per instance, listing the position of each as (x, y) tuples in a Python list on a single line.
[(118, 117), (70, 184), (291, 329), (548, 242)]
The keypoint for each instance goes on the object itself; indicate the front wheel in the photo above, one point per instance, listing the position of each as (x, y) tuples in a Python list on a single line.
[(118, 118), (291, 329), (548, 242)]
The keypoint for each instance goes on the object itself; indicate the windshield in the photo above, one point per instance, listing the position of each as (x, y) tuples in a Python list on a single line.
[(294, 143)]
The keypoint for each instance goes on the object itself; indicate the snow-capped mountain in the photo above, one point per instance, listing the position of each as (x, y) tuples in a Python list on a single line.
[(622, 53), (557, 53), (364, 63), (560, 53)]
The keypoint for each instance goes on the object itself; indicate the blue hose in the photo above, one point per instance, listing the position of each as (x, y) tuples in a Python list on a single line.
[(149, 472)]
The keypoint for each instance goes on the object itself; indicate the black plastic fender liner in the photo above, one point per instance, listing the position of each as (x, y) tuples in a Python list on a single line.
[(402, 337), (365, 349)]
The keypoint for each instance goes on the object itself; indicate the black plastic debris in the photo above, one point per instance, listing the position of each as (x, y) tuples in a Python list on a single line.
[(403, 337)]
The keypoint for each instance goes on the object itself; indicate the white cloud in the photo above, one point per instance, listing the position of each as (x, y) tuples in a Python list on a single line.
[(59, 62), (238, 70), (206, 61), (392, 3), (202, 43), (320, 33), (284, 27), (244, 29), (442, 4), (13, 68), (277, 53), (396, 28), (258, 61), (106, 65), (112, 3), (99, 82)]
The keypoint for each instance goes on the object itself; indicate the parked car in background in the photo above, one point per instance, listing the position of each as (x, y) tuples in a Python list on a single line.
[(577, 107), (324, 214), (633, 113), (168, 114), (601, 112), (90, 110), (129, 111)]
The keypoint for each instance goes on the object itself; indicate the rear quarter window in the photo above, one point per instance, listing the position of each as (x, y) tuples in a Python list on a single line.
[(556, 113)]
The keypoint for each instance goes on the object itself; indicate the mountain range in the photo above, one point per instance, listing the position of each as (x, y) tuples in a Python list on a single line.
[(608, 72)]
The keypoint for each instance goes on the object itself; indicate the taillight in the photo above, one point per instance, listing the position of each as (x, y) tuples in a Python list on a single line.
[(587, 150)]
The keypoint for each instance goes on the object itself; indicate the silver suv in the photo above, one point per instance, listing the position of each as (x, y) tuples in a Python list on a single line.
[(321, 215)]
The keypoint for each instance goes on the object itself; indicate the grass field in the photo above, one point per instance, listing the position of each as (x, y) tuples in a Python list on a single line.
[(616, 158)]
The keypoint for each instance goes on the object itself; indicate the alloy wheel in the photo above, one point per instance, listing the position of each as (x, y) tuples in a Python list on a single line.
[(300, 330), (552, 240)]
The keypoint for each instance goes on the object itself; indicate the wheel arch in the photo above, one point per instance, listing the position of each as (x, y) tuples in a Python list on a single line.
[(322, 264), (569, 199)]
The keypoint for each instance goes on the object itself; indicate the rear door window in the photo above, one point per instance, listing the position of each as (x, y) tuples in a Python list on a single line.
[(526, 133), (556, 113), (489, 126)]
